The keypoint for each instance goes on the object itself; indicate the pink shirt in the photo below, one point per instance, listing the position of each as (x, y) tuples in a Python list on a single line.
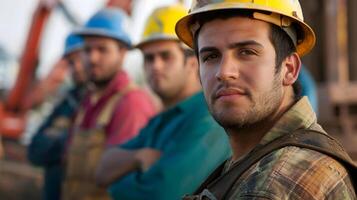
[(131, 112)]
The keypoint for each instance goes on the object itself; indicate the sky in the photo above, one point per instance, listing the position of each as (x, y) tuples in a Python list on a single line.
[(16, 16)]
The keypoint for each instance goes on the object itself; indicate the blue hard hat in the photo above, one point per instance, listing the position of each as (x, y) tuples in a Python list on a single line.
[(73, 43), (108, 22)]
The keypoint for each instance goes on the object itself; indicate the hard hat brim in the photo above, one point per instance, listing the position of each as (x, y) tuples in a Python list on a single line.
[(72, 49), (156, 38), (184, 33), (85, 32)]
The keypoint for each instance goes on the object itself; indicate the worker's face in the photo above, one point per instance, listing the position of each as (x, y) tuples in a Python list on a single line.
[(165, 68), (75, 61), (237, 71), (104, 58)]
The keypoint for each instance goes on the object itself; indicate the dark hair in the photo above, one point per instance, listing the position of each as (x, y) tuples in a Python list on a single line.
[(282, 43), (187, 52)]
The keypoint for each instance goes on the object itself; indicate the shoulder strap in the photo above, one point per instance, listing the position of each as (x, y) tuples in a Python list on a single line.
[(213, 176), (310, 139), (108, 110)]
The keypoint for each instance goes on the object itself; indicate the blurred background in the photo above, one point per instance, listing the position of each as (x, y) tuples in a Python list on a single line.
[(32, 34)]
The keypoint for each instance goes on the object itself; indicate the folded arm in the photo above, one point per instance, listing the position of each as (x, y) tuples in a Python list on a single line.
[(186, 162), (117, 162)]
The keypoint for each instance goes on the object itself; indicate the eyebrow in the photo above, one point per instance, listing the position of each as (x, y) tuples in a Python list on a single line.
[(232, 46)]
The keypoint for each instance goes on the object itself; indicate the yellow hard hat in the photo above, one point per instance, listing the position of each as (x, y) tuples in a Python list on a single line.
[(282, 13), (161, 24)]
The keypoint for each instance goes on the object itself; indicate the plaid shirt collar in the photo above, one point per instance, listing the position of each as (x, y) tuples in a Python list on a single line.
[(300, 115)]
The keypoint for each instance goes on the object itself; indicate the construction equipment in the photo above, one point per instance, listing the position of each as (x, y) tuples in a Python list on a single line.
[(14, 108), (12, 112)]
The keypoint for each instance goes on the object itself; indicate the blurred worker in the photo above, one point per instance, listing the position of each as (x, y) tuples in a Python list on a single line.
[(112, 112), (46, 148), (250, 58), (308, 87), (165, 160)]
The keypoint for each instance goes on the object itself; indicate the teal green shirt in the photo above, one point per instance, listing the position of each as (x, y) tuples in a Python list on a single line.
[(192, 146)]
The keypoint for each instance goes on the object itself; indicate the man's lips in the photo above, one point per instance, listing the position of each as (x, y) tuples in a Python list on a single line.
[(157, 76), (229, 92)]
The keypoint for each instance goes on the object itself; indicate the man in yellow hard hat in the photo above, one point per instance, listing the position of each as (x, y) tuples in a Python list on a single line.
[(159, 163), (112, 111), (249, 56)]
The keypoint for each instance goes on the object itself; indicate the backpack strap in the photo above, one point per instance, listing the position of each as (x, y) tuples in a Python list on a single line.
[(220, 185)]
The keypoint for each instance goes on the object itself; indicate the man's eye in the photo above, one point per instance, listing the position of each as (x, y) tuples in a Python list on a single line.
[(247, 52), (165, 55), (103, 49), (71, 62), (149, 58), (87, 49), (209, 57)]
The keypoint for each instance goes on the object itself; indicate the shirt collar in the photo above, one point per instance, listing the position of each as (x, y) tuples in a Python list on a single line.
[(183, 108), (119, 82), (300, 115), (190, 103)]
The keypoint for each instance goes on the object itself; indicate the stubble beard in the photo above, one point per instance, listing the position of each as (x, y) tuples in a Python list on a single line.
[(261, 109), (104, 81)]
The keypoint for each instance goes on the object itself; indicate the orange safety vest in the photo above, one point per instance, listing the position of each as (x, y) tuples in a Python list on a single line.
[(84, 154)]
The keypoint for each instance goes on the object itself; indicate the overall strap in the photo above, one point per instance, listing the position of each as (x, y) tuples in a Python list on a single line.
[(108, 110), (316, 140), (213, 176)]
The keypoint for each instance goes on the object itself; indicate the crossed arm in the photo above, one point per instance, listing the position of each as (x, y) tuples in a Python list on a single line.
[(117, 162)]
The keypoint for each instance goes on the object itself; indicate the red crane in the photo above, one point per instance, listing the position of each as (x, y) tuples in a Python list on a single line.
[(14, 108)]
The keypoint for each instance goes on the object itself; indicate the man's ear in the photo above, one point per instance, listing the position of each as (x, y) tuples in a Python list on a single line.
[(291, 69)]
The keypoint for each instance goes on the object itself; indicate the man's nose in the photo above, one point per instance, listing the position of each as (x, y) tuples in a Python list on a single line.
[(92, 56), (157, 63), (228, 68)]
